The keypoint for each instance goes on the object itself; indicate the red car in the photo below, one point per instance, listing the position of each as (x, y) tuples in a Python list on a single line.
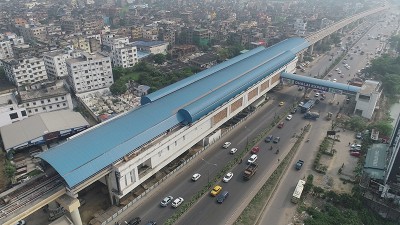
[(356, 154), (280, 125), (255, 150)]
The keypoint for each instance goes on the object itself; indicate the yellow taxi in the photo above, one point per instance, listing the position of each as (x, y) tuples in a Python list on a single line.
[(216, 190)]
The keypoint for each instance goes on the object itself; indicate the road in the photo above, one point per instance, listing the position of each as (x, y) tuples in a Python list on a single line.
[(280, 210)]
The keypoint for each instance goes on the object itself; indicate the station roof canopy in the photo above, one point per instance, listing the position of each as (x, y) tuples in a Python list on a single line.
[(183, 102)]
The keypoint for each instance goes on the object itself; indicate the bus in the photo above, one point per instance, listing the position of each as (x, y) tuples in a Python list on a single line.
[(307, 106), (297, 192)]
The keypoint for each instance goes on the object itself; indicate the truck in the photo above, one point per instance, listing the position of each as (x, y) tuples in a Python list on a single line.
[(311, 115), (250, 171), (299, 164), (307, 106)]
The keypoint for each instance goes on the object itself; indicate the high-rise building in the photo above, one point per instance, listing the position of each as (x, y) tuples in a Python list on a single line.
[(25, 71), (6, 51), (55, 63), (90, 71)]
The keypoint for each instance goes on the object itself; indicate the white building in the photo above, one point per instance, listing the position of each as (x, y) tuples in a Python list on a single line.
[(89, 72), (120, 51), (9, 110), (6, 51), (125, 56), (55, 63), (25, 71), (152, 47), (299, 26), (110, 40), (367, 98), (46, 97)]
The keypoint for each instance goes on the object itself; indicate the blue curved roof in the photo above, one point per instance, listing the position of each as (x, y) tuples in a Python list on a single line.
[(324, 83), (216, 97), (98, 148)]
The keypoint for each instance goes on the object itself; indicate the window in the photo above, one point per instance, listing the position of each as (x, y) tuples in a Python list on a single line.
[(13, 116), (62, 98), (36, 110), (50, 107), (56, 99), (44, 108), (48, 100), (42, 102), (23, 113)]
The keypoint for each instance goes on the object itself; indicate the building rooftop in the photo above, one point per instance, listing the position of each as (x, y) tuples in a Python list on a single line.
[(149, 43), (38, 125), (369, 87), (375, 162), (47, 89), (87, 56)]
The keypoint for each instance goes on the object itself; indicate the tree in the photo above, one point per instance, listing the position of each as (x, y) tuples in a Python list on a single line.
[(118, 88), (355, 123), (159, 58), (384, 127), (9, 169)]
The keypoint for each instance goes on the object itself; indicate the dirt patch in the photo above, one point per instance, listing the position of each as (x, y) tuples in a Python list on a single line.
[(340, 160), (96, 199)]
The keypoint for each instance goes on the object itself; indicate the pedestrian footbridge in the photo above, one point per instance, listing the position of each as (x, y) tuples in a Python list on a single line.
[(319, 84)]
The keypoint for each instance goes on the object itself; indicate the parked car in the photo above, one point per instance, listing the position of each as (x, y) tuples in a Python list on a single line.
[(21, 222), (277, 139), (227, 177), (359, 135), (226, 145), (252, 159), (216, 190), (233, 150), (294, 110), (281, 103), (289, 117), (177, 202), (269, 138), (166, 201), (281, 124), (196, 176)]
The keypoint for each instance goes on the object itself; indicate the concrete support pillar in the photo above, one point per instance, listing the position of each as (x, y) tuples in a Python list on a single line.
[(311, 49), (301, 57), (76, 217)]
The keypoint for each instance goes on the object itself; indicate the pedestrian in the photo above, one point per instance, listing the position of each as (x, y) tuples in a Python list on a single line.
[(278, 159), (349, 143)]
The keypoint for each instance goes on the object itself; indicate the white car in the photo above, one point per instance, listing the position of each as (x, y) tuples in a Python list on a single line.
[(227, 177), (21, 222), (226, 145), (252, 159), (177, 202), (337, 69), (301, 104), (196, 176), (233, 150), (316, 95), (334, 80), (289, 117), (339, 72)]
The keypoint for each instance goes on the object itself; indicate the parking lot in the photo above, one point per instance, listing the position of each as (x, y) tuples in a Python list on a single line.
[(341, 159)]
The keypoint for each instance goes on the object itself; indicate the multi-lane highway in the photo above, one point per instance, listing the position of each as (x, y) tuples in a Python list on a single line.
[(280, 210)]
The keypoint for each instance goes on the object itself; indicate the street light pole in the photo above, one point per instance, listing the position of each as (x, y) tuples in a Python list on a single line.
[(208, 170)]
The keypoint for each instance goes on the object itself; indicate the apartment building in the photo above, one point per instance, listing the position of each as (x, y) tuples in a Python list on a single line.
[(9, 110), (90, 71), (24, 71), (45, 97), (71, 25), (110, 40), (55, 63), (136, 32), (150, 33), (6, 50), (125, 56), (152, 47), (32, 32)]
